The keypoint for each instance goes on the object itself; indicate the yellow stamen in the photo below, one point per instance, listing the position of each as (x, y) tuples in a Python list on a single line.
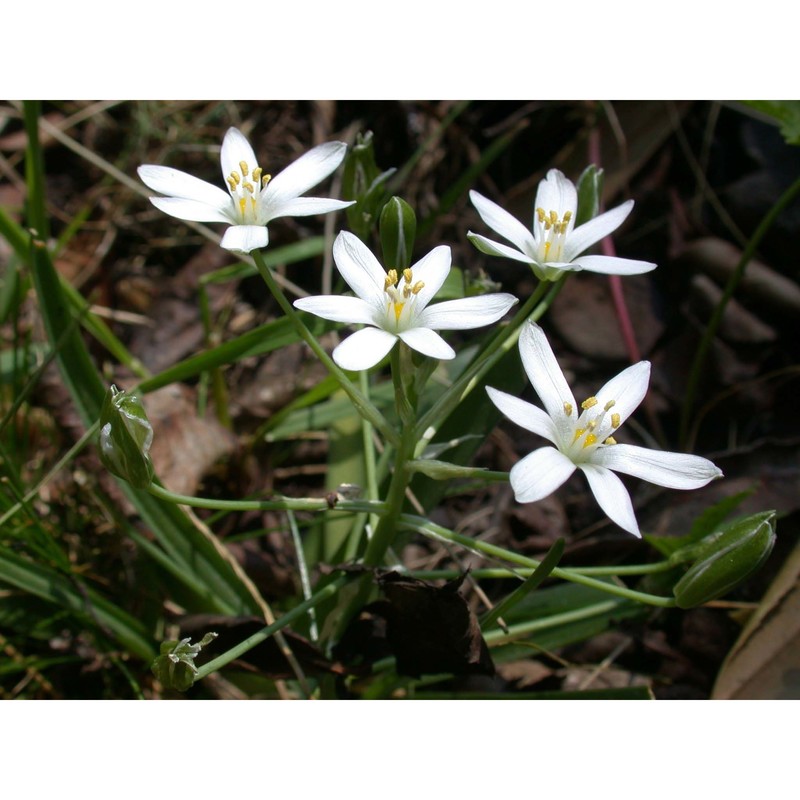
[(257, 175), (615, 420), (235, 177), (540, 214), (568, 409), (417, 287), (592, 425), (265, 180), (589, 402), (553, 217), (610, 440), (408, 275), (243, 167), (391, 279), (609, 405), (232, 183), (590, 440), (406, 291), (249, 187), (567, 216)]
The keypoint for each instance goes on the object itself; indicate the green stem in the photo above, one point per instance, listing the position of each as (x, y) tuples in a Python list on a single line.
[(284, 504), (716, 317), (248, 644), (502, 341), (364, 407), (434, 531), (504, 573)]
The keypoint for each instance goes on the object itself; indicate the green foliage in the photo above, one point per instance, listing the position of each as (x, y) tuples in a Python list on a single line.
[(786, 112)]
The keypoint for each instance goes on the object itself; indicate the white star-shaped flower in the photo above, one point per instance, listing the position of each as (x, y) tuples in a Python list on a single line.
[(253, 199), (554, 245), (583, 436), (396, 306)]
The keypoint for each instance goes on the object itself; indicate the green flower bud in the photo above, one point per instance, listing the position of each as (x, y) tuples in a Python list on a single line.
[(444, 470), (725, 559), (363, 182), (590, 187), (398, 225), (175, 667), (125, 438)]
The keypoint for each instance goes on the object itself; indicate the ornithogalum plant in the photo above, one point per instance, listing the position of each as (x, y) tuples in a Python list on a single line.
[(441, 345)]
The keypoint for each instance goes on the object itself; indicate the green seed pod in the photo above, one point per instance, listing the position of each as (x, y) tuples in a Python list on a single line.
[(125, 438), (398, 225), (726, 559)]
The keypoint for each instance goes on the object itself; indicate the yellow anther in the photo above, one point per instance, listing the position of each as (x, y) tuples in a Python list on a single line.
[(235, 177), (417, 287), (398, 310), (589, 402), (257, 174), (406, 291), (589, 441), (408, 276), (609, 405), (243, 168), (390, 280), (249, 186), (232, 184), (540, 214), (568, 409), (567, 216), (265, 180), (553, 218), (615, 420), (610, 440)]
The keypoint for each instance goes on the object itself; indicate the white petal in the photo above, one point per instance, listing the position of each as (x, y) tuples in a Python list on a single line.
[(499, 220), (524, 414), (674, 470), (557, 193), (307, 171), (597, 228), (364, 349), (547, 379), (466, 313), (361, 270), (497, 248), (236, 148), (612, 265), (432, 270), (174, 183), (427, 342), (244, 238), (539, 474), (191, 210), (305, 207), (337, 308), (626, 390), (612, 496)]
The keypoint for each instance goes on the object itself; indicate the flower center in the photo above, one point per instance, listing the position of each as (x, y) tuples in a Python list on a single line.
[(400, 296), (550, 234), (592, 428), (245, 189)]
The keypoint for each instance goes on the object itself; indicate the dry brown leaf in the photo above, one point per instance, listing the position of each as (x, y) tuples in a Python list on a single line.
[(764, 664)]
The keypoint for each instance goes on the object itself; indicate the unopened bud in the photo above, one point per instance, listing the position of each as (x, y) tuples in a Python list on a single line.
[(125, 438), (725, 559)]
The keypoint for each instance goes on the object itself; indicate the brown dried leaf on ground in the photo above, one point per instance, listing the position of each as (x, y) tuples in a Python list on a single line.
[(764, 664), (185, 446)]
